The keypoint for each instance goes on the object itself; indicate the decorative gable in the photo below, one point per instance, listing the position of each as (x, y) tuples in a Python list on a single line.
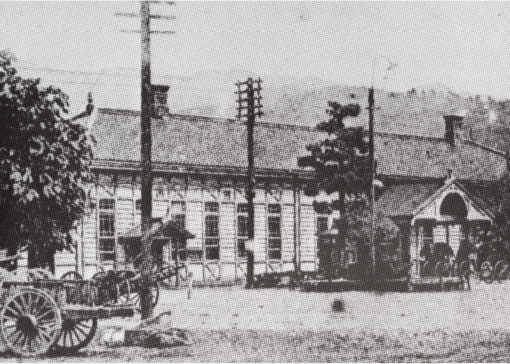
[(450, 203)]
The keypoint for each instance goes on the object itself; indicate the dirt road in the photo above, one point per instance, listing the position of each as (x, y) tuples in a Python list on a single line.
[(232, 324)]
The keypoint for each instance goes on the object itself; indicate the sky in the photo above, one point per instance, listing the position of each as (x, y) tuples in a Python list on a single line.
[(464, 46)]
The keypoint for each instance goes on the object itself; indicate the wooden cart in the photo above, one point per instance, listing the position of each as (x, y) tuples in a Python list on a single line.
[(125, 285), (42, 315)]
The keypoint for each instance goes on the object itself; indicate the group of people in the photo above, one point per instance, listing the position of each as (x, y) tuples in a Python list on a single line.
[(440, 252)]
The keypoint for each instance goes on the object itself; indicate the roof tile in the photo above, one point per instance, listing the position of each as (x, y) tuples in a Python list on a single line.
[(222, 142)]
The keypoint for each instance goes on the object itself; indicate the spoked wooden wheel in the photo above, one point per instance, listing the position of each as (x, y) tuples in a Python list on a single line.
[(30, 322), (133, 297), (125, 274), (442, 269), (72, 276), (465, 268), (98, 276), (75, 335), (428, 269), (454, 269), (501, 271), (486, 272)]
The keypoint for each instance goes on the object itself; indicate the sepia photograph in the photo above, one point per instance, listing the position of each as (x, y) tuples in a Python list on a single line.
[(254, 181)]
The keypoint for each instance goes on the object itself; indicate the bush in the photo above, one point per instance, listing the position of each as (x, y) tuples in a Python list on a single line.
[(338, 305)]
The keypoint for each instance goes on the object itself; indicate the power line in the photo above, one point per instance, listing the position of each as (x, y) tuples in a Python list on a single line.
[(155, 16), (152, 31), (86, 73), (45, 80)]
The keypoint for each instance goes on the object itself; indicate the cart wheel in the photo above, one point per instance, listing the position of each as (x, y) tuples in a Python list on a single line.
[(454, 269), (98, 276), (501, 271), (38, 274), (428, 270), (75, 335), (164, 276), (486, 272), (125, 274), (72, 276), (155, 294), (442, 269), (465, 268), (134, 297), (30, 322)]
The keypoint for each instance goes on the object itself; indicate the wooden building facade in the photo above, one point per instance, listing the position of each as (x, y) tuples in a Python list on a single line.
[(214, 211), (199, 166)]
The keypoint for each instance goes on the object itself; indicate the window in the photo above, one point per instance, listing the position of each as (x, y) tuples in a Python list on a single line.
[(322, 224), (212, 234), (106, 230), (212, 207), (274, 241), (160, 98), (428, 235), (274, 209), (160, 191), (242, 229), (178, 214), (322, 227)]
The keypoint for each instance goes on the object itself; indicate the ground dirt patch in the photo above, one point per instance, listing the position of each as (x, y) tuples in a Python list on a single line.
[(233, 324)]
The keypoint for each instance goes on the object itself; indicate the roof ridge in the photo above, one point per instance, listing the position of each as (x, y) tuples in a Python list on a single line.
[(212, 119), (262, 123)]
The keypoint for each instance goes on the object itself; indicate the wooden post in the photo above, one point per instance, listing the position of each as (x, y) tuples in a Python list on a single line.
[(250, 106), (177, 263), (146, 143), (250, 194), (190, 284), (297, 268), (371, 157)]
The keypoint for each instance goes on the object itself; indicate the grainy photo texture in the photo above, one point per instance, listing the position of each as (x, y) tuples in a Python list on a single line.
[(254, 181)]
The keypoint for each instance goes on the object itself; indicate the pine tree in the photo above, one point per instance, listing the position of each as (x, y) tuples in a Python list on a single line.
[(341, 165), (340, 162)]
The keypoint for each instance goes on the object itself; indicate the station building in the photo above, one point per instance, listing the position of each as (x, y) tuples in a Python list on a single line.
[(435, 190)]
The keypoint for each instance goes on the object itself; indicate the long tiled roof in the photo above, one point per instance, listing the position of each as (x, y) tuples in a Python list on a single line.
[(401, 199), (196, 140)]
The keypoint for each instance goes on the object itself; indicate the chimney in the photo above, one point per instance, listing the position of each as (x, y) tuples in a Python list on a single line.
[(90, 104), (452, 122), (159, 100)]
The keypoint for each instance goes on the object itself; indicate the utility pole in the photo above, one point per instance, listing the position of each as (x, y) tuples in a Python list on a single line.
[(146, 150), (371, 158), (371, 153), (251, 104), (146, 143)]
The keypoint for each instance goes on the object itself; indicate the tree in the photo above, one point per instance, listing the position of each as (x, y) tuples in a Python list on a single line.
[(341, 165), (358, 226), (44, 168)]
